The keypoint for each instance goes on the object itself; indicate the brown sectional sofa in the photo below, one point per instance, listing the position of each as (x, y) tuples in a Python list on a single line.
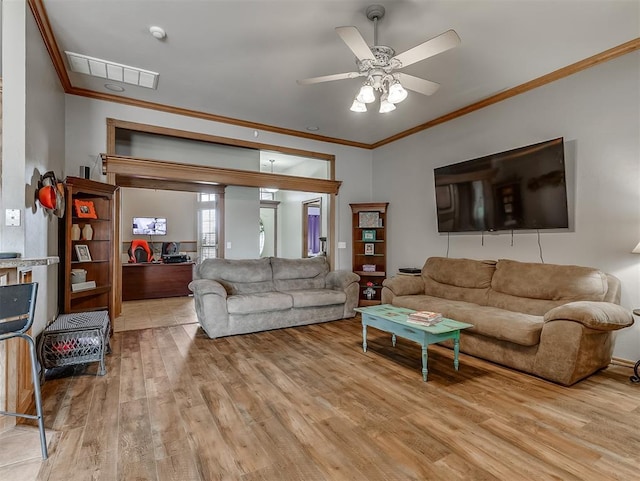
[(553, 321)]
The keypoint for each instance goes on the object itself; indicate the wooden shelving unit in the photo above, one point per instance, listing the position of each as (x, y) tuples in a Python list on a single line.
[(369, 238), (101, 247)]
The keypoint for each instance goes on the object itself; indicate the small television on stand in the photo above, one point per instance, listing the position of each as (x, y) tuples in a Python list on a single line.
[(149, 226)]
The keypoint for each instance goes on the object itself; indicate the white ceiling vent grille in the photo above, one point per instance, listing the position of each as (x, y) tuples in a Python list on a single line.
[(112, 71)]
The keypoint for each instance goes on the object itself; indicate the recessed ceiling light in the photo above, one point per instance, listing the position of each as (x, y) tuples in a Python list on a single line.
[(313, 128), (114, 87)]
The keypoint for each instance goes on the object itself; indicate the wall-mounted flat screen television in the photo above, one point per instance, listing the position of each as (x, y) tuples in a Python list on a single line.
[(524, 188), (149, 226)]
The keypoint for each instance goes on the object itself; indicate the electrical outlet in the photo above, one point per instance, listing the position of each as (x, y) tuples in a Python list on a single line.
[(342, 245), (228, 245), (12, 217)]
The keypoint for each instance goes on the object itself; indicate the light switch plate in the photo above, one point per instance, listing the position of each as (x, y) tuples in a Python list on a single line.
[(342, 245), (13, 217)]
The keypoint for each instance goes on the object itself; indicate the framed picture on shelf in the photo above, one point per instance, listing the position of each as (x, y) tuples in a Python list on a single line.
[(368, 235), (369, 249), (85, 209), (368, 219), (82, 251)]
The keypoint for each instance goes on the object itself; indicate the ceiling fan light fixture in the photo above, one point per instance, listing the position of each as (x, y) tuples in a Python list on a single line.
[(385, 105), (379, 63), (366, 94), (358, 106), (397, 93)]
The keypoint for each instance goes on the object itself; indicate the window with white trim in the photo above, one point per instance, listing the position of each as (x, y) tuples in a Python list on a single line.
[(208, 226)]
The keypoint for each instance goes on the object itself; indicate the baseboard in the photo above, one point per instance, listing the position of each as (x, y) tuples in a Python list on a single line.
[(622, 362)]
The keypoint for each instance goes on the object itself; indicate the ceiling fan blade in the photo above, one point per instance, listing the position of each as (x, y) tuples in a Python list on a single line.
[(420, 85), (352, 37), (434, 46), (328, 78)]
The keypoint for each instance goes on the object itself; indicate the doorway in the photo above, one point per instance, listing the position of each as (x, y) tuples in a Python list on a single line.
[(312, 227), (269, 228)]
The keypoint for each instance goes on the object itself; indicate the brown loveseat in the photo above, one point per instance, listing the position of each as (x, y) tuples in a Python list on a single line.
[(553, 321)]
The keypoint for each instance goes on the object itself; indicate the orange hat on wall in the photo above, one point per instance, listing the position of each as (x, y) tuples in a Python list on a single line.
[(50, 194), (47, 197)]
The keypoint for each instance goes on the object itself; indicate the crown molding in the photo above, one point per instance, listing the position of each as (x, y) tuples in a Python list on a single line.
[(42, 20)]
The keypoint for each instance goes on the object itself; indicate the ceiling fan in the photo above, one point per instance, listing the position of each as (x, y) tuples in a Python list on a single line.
[(379, 64)]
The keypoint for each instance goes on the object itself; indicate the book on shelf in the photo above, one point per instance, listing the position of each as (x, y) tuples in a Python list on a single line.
[(83, 286), (425, 318)]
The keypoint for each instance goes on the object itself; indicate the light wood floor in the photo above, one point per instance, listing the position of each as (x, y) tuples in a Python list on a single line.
[(307, 404)]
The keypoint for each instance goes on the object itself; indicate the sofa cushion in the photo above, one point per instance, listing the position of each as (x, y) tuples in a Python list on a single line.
[(423, 302), (259, 302), (516, 327), (549, 281), (316, 297), (238, 276), (458, 279), (460, 272), (491, 322), (534, 288), (296, 274)]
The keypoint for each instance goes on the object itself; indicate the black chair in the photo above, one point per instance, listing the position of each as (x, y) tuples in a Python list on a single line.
[(17, 308)]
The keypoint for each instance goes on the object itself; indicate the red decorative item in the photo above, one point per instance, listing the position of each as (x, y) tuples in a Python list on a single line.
[(47, 197), (85, 209), (50, 194)]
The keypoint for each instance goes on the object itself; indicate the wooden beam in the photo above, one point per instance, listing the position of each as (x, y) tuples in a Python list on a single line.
[(132, 167), (167, 184)]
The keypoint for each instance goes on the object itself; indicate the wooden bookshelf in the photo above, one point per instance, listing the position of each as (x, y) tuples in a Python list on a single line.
[(101, 246), (369, 240)]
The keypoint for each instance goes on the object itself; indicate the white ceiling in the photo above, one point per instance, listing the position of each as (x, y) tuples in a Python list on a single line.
[(241, 58)]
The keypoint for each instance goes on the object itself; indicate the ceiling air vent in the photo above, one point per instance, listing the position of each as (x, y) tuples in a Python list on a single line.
[(112, 71)]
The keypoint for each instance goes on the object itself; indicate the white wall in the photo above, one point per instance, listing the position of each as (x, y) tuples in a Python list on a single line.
[(597, 112), (179, 208), (44, 151), (187, 151), (242, 239), (85, 138), (33, 143)]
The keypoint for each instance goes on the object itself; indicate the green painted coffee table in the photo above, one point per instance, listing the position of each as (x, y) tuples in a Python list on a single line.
[(393, 319)]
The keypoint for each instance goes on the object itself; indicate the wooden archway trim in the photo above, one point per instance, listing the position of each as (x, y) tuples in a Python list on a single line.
[(146, 173), (124, 167)]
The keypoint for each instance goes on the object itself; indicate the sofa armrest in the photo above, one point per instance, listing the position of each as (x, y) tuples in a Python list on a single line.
[(340, 280), (404, 285), (210, 301), (401, 286), (207, 286), (347, 281), (601, 316)]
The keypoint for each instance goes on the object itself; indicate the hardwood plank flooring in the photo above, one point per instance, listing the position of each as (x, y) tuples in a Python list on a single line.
[(307, 404)]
